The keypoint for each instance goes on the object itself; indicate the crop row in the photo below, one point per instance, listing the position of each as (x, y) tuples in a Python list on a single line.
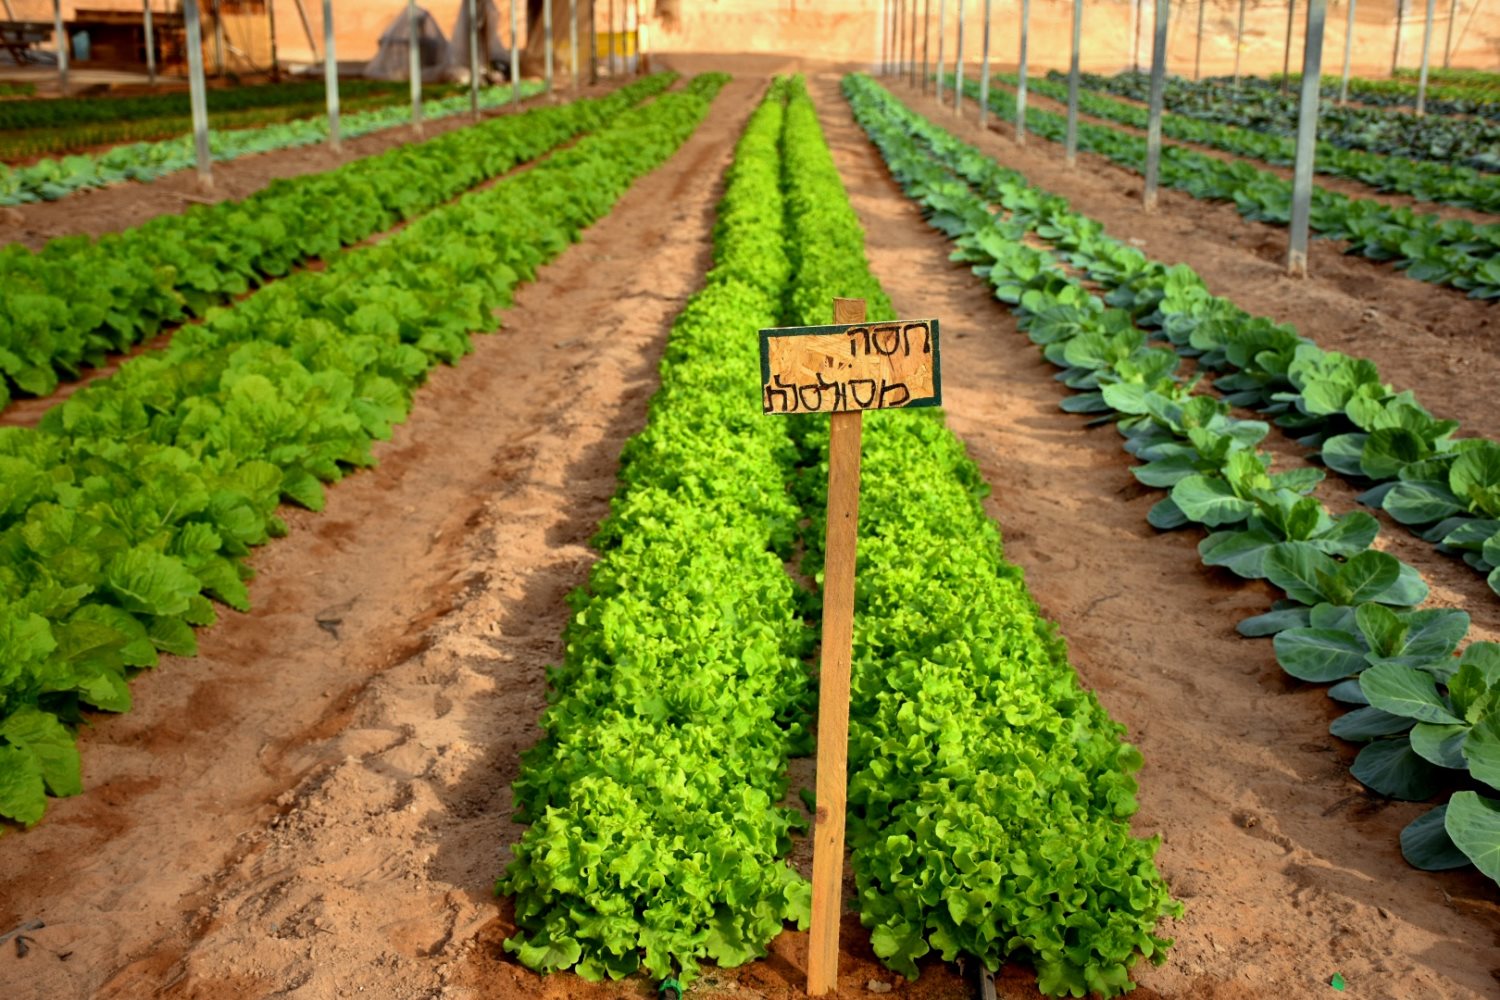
[(1427, 247), (1456, 96), (135, 501), (1425, 180), (1430, 719), (51, 179), (175, 266), (1434, 137), (989, 793), (652, 799)]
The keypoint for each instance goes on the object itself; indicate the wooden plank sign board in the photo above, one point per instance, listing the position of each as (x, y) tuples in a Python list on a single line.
[(851, 367), (842, 371)]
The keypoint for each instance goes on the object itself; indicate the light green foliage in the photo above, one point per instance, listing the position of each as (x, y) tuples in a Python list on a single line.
[(136, 500)]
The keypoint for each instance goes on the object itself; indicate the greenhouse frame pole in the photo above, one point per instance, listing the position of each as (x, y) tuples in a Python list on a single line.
[(941, 65), (1070, 145), (1158, 89), (911, 37), (331, 76), (62, 45), (1348, 56), (218, 40), (1135, 35), (611, 22), (984, 67), (151, 41), (883, 64), (1448, 40), (474, 57), (1307, 140), (593, 42), (926, 38), (547, 36), (1198, 45), (635, 19), (515, 56), (275, 55), (1426, 56), (1239, 43), (414, 63), (897, 16), (958, 64), (1396, 48), (573, 43), (197, 91), (1286, 52), (1021, 68)]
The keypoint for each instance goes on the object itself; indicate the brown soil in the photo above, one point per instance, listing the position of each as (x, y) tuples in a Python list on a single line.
[(1343, 185), (96, 211), (317, 805)]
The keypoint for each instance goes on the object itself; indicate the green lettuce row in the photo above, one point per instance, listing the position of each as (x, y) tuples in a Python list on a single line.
[(1446, 183), (1348, 616), (655, 836), (1433, 137), (177, 265), (51, 179), (1440, 251), (989, 793), (136, 500)]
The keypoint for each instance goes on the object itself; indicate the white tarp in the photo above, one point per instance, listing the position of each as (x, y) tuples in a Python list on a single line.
[(393, 59)]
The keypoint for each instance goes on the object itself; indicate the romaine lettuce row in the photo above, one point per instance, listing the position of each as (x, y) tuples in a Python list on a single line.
[(174, 266), (1348, 607), (1430, 248), (136, 500), (989, 793)]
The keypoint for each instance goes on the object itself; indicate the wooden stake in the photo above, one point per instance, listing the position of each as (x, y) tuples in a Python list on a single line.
[(833, 685)]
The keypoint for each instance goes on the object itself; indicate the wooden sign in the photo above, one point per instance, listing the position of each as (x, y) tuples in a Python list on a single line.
[(842, 371), (850, 368)]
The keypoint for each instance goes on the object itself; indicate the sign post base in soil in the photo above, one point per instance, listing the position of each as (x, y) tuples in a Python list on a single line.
[(841, 370)]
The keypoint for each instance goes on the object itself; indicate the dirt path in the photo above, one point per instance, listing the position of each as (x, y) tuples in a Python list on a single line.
[(95, 211), (321, 800), (1431, 340), (1289, 870), (1344, 185)]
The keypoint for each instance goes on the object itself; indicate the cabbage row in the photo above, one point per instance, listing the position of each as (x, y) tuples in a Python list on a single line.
[(175, 266), (135, 501), (1427, 247), (990, 794), (1427, 712), (51, 179), (655, 836), (1424, 180), (1475, 142), (1446, 94)]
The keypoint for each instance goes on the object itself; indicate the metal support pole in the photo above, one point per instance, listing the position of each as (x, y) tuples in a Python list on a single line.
[(414, 63), (271, 23), (515, 57), (1307, 139), (62, 45), (1198, 45), (883, 66), (926, 38), (474, 57), (1021, 70), (942, 66), (330, 75), (1396, 48), (984, 67), (1070, 146), (593, 42), (1286, 52), (312, 41), (911, 44), (197, 91), (1239, 44), (958, 63), (218, 39), (898, 49), (547, 37), (1158, 90), (150, 43), (1426, 54), (1448, 41), (1348, 55), (611, 33), (1135, 36), (573, 44)]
